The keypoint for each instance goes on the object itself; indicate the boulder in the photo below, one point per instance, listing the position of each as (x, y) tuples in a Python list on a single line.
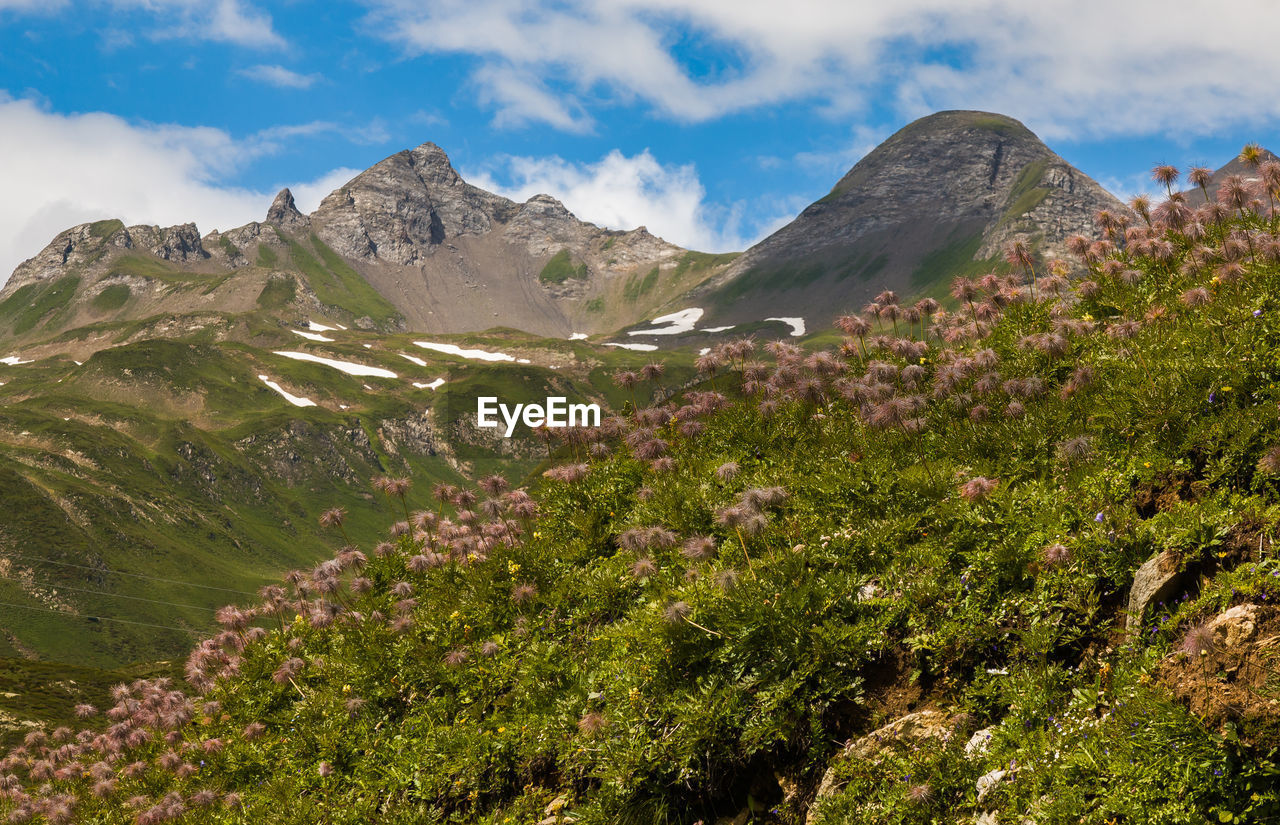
[(924, 725), (1157, 580)]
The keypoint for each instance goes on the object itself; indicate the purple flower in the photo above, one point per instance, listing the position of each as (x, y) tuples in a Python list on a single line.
[(1257, 313), (1098, 518)]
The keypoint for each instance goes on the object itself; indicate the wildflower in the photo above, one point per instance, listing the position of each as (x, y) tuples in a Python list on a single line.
[(523, 592), (978, 489), (456, 657), (643, 568), (676, 612), (592, 723), (332, 517), (727, 470), (697, 548), (920, 794), (1270, 463), (1199, 641), (1075, 449), (1055, 555), (324, 769)]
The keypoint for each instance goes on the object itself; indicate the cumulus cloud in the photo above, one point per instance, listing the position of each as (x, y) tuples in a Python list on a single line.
[(279, 76), (61, 170), (621, 192), (1070, 68)]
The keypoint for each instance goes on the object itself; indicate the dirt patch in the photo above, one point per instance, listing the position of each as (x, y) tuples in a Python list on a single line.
[(1227, 670)]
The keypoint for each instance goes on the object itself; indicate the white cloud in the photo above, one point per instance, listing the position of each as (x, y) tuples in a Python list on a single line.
[(1069, 68), (225, 21), (61, 170), (279, 77), (623, 192)]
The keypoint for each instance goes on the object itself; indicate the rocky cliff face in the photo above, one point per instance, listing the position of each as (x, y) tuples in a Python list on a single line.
[(943, 194)]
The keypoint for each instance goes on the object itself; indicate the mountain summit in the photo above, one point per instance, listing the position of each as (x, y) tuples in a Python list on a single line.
[(409, 244), (941, 196)]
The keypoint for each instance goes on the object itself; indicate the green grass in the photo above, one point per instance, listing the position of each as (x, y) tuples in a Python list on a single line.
[(337, 285), (232, 251), (561, 268), (105, 229), (267, 256), (42, 304), (112, 298), (137, 265), (278, 292), (695, 262), (638, 286), (1026, 193), (932, 277)]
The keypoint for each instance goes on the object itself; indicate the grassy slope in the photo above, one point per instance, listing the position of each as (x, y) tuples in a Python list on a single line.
[(172, 462), (635, 683)]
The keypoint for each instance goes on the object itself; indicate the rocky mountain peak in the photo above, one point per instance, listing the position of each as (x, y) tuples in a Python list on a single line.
[(284, 212), (944, 193), (402, 208)]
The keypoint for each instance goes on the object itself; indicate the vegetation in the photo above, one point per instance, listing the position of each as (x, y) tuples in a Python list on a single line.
[(336, 284), (278, 292), (933, 275), (1027, 193), (710, 592), (112, 298), (267, 256), (25, 309), (561, 268), (639, 286), (105, 229)]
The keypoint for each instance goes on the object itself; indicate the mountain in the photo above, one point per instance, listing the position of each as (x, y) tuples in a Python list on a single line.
[(940, 197), (178, 407), (1025, 575), (407, 244), (1196, 195)]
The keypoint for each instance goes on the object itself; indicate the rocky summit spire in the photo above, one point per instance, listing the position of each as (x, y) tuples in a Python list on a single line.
[(284, 212)]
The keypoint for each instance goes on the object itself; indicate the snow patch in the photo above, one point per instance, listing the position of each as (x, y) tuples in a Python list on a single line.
[(474, 354), (314, 327), (796, 324), (312, 336), (676, 323), (577, 336), (367, 346), (439, 382), (704, 350), (415, 359), (636, 347), (295, 400), (345, 366), (523, 361), (13, 361), (716, 329)]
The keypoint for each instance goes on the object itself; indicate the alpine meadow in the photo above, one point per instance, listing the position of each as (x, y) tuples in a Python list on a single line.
[(997, 552)]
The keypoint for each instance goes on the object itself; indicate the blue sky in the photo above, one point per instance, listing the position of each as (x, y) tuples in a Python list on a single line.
[(710, 121)]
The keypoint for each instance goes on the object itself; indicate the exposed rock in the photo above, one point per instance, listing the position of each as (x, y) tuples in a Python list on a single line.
[(945, 190), (989, 781), (979, 742), (921, 726), (284, 212), (1237, 626), (1157, 580), (401, 209), (179, 244)]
